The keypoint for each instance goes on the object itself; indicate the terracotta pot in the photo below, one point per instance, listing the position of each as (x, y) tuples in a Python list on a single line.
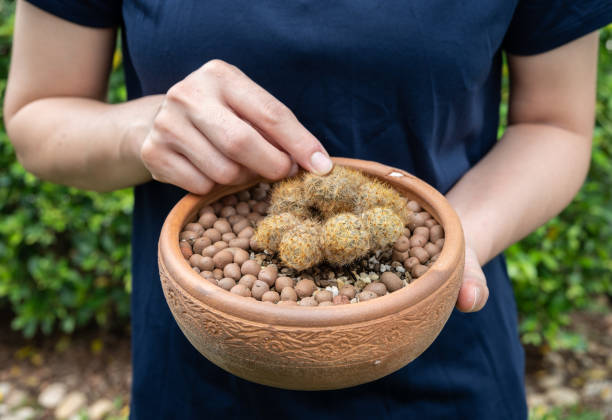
[(314, 348)]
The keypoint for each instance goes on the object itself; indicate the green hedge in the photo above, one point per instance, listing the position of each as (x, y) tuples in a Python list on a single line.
[(64, 253)]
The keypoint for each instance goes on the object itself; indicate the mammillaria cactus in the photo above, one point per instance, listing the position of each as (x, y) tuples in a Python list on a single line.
[(377, 194), (271, 229), (337, 192), (301, 247), (339, 217), (288, 197), (345, 238), (384, 226)]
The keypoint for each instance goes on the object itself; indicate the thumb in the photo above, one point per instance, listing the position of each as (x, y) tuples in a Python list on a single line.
[(474, 292)]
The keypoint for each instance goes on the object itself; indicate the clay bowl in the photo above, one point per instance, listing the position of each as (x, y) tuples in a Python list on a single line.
[(314, 348)]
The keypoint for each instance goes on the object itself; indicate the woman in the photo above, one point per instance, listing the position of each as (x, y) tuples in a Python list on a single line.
[(414, 85)]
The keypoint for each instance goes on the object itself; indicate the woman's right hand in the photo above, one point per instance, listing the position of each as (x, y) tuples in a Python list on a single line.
[(217, 126)]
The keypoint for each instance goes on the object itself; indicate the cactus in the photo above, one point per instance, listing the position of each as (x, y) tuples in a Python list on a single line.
[(272, 228), (384, 225), (288, 197), (336, 192), (345, 239), (339, 217), (378, 194), (300, 247)]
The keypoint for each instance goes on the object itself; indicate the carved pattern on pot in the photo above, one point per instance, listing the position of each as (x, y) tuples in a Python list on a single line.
[(313, 346)]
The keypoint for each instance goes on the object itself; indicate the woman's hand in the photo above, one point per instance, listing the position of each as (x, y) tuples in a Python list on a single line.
[(218, 126), (474, 292)]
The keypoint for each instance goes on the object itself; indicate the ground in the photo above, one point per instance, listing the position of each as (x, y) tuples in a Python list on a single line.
[(91, 374), (96, 364), (582, 379)]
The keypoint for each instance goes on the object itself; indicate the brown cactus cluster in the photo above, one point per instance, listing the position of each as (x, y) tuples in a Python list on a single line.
[(338, 218)]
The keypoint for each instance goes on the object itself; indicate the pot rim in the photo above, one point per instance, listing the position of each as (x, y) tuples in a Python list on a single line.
[(179, 270)]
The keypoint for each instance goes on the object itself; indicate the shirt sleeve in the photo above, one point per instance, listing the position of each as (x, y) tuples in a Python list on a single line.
[(541, 25), (93, 13)]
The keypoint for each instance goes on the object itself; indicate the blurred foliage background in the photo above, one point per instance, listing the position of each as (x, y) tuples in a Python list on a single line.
[(65, 253), (567, 263)]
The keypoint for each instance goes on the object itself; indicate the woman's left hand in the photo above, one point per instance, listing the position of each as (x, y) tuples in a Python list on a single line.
[(474, 292)]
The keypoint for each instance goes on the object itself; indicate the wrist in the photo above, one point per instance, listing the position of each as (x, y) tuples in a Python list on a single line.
[(480, 243), (136, 130), (478, 230)]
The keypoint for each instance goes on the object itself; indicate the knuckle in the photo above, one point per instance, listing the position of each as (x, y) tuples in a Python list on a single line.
[(280, 170), (274, 112), (163, 122), (184, 96), (148, 153), (228, 174), (217, 68), (178, 92), (203, 187)]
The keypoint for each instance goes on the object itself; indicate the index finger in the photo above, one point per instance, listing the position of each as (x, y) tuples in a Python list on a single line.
[(276, 122)]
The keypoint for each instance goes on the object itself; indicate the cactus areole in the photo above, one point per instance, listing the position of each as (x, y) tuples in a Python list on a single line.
[(338, 218)]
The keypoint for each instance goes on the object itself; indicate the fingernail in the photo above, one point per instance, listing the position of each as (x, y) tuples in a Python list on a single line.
[(476, 296), (294, 169), (321, 164)]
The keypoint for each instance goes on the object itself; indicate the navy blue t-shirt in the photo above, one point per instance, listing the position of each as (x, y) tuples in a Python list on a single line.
[(415, 85)]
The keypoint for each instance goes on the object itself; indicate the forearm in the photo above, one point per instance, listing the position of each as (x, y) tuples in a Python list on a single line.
[(83, 142), (529, 176)]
